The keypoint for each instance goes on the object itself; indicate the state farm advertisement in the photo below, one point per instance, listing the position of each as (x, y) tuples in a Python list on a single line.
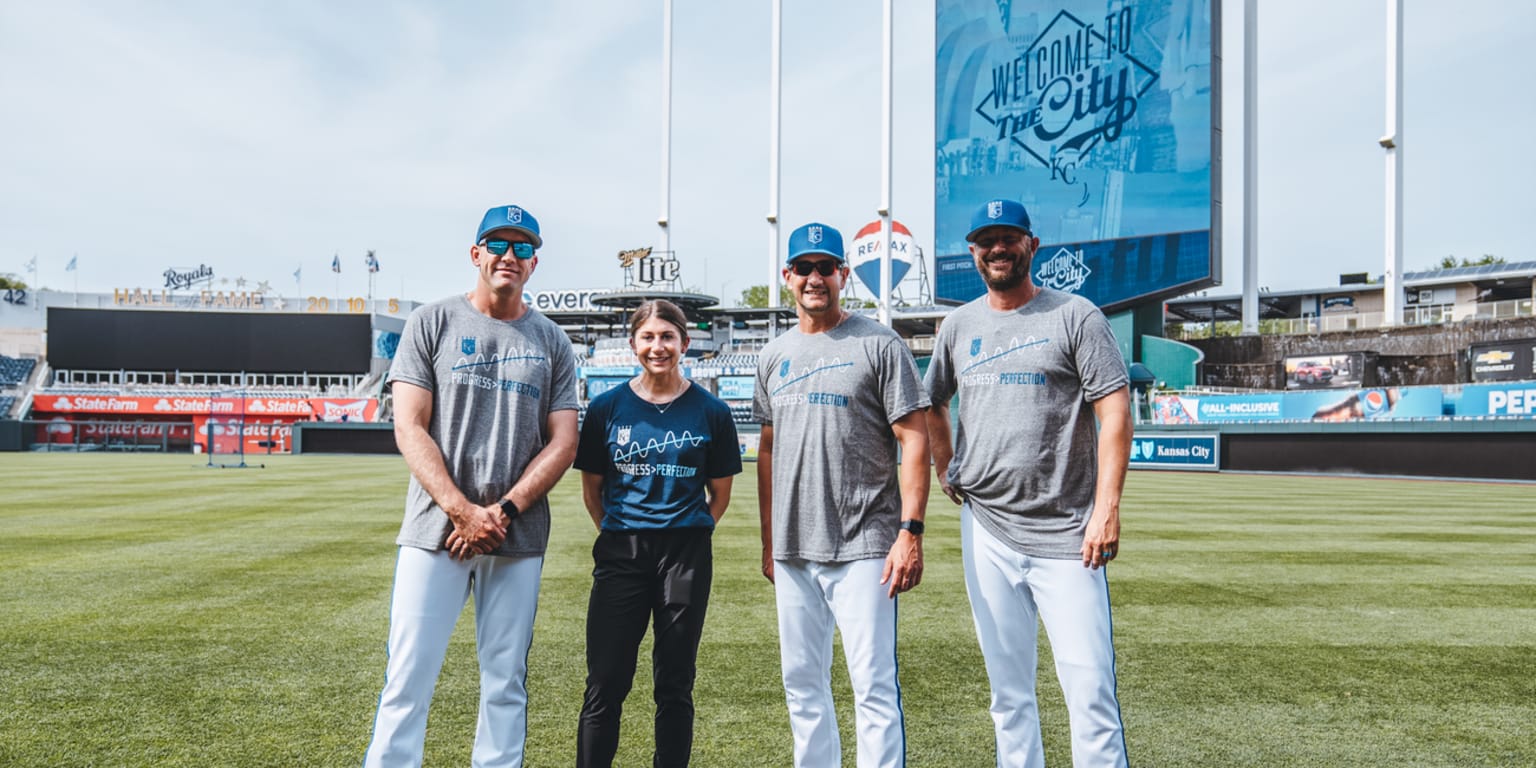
[(263, 424), (292, 409), (61, 430)]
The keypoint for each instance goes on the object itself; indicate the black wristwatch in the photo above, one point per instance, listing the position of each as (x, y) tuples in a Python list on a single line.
[(509, 508), (914, 527)]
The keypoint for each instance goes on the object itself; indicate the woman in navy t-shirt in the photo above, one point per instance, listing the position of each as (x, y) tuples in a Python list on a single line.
[(656, 457)]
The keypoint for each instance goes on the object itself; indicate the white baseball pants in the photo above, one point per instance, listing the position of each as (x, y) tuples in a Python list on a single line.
[(813, 600), (430, 591), (1011, 592)]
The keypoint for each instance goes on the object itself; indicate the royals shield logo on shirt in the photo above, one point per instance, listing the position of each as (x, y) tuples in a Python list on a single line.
[(975, 346), (783, 369), (467, 345), (623, 435)]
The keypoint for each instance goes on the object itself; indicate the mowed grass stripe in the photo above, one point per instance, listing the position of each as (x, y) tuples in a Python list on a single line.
[(161, 613)]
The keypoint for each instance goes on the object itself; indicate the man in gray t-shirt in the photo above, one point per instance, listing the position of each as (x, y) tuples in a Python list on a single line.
[(1039, 485), (485, 415), (841, 533)]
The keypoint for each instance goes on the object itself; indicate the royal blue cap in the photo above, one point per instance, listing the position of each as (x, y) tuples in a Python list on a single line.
[(510, 217), (815, 238), (998, 213)]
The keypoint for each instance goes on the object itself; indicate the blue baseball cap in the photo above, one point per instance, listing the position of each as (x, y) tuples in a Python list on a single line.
[(999, 213), (815, 238), (510, 217)]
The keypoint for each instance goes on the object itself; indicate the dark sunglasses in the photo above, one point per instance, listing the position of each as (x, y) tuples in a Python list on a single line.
[(500, 248), (1008, 240), (823, 268)]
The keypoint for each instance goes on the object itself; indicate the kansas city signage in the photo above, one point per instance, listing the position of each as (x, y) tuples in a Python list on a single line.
[(1075, 86)]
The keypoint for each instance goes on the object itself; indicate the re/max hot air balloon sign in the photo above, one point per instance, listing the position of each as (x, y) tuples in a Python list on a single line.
[(864, 255)]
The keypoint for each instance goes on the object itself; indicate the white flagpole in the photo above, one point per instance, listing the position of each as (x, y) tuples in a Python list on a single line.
[(883, 303), (666, 129), (1392, 142), (1250, 171), (775, 98)]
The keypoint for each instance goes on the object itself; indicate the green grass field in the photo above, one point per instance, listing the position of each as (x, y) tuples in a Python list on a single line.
[(157, 613)]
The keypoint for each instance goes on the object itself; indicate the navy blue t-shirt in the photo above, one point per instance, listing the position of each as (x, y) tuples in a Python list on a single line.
[(656, 465)]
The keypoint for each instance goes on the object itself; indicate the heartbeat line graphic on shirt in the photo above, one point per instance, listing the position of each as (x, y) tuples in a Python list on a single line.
[(1017, 345), (819, 369), (518, 356), (671, 440)]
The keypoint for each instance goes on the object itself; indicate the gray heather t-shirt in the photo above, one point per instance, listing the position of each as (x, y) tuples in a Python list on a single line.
[(494, 383), (831, 398), (1025, 452)]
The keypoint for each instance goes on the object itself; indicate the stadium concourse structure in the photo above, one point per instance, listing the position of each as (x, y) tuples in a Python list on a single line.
[(232, 371), (190, 372)]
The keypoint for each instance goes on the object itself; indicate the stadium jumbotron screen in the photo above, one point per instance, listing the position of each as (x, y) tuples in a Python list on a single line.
[(212, 342), (1101, 123)]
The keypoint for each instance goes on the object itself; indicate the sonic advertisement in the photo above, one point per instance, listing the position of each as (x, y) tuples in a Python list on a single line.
[(1098, 117)]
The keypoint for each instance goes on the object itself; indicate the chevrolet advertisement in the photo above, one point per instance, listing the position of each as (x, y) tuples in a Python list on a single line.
[(1503, 361)]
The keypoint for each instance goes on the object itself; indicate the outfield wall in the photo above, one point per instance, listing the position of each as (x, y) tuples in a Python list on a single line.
[(1490, 450), (344, 437)]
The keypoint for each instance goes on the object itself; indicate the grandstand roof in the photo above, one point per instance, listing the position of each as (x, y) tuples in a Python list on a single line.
[(1284, 303)]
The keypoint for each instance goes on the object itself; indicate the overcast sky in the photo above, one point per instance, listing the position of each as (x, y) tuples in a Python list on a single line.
[(261, 138)]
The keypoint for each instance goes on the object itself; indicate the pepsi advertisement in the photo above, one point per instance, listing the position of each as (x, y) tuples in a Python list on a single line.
[(1100, 118)]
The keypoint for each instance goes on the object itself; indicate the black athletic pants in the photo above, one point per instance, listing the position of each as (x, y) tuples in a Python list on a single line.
[(658, 576)]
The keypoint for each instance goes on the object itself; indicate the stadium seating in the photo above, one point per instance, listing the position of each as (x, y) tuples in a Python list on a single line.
[(15, 371), (6, 402)]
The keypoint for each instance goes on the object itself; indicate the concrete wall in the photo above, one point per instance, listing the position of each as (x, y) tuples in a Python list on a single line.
[(1407, 355)]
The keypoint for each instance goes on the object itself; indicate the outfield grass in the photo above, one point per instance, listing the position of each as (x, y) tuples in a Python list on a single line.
[(160, 613)]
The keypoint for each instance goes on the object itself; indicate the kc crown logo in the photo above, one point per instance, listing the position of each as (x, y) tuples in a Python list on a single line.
[(995, 209), (467, 345), (784, 369), (1065, 271), (814, 235), (514, 214), (623, 436), (975, 346)]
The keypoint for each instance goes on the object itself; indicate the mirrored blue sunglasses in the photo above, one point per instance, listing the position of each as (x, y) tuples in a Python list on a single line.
[(500, 248)]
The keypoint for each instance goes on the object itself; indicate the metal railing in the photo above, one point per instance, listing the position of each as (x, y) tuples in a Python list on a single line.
[(1430, 314), (124, 379)]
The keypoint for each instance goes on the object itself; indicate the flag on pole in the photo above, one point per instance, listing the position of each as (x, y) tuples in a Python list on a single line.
[(297, 273), (32, 265), (70, 267), (373, 262), (336, 263)]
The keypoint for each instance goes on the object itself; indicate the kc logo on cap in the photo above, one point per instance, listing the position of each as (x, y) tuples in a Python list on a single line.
[(510, 217), (998, 213), (814, 235)]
